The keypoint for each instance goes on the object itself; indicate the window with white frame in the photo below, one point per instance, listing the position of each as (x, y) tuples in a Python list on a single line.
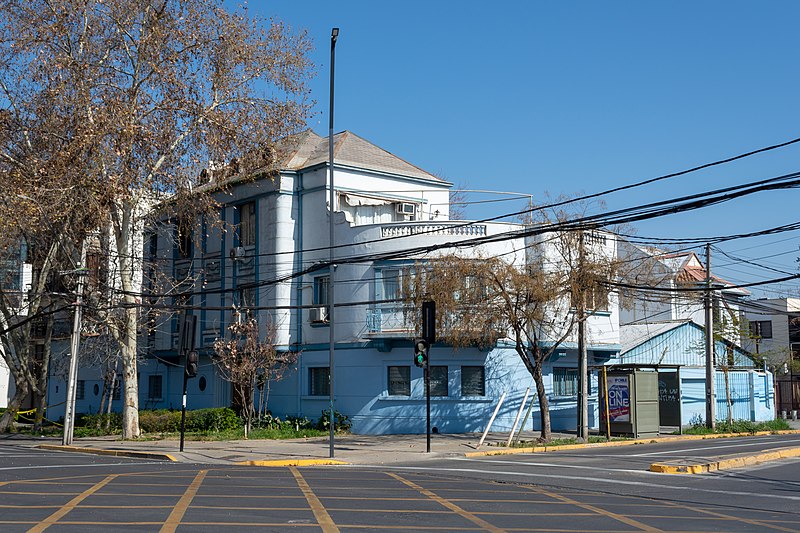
[(390, 284), (321, 284), (399, 381)]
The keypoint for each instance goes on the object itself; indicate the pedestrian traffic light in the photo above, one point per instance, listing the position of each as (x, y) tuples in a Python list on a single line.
[(192, 359), (421, 352)]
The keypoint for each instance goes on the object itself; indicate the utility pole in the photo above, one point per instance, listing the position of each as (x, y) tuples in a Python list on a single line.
[(711, 396), (72, 377), (583, 356), (331, 244)]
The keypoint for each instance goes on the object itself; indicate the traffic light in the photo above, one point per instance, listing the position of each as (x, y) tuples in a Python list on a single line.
[(192, 359), (421, 352)]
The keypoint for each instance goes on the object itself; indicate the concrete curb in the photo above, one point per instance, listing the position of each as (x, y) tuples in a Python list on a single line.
[(675, 467), (117, 453), (632, 442), (292, 462)]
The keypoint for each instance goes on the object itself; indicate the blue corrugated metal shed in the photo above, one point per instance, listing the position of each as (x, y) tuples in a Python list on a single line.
[(674, 343)]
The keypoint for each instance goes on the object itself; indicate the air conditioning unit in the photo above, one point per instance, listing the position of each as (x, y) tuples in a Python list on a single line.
[(318, 314), (238, 252), (405, 208)]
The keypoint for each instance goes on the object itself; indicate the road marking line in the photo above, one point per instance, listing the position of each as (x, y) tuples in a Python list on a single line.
[(79, 466), (721, 516), (597, 510), (598, 480), (70, 505), (553, 465), (448, 504), (174, 518), (323, 518)]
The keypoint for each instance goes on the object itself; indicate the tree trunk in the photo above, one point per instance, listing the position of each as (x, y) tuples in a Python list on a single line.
[(544, 408), (728, 396), (43, 378), (7, 420), (123, 218), (130, 404)]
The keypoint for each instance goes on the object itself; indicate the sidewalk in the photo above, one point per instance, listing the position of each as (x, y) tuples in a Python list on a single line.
[(348, 449)]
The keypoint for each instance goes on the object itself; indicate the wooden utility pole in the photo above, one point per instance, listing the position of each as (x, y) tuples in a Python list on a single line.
[(711, 396)]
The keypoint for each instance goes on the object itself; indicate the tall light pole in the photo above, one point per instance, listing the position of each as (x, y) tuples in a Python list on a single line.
[(332, 268)]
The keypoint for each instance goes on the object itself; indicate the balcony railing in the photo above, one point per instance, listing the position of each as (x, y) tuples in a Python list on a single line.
[(459, 229), (390, 319)]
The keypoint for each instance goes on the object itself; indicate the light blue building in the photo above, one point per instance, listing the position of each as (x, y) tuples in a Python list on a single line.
[(680, 344)]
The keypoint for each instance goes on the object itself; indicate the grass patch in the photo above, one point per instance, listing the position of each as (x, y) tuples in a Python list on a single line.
[(738, 426), (564, 441)]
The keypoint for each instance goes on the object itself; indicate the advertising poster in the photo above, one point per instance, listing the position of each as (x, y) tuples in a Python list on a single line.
[(619, 399)]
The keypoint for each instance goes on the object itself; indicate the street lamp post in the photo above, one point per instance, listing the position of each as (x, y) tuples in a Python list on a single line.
[(332, 267)]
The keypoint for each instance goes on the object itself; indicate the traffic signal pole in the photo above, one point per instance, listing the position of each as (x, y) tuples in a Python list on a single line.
[(428, 406), (429, 336), (188, 328)]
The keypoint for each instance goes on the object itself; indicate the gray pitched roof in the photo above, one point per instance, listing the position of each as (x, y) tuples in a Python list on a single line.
[(308, 149)]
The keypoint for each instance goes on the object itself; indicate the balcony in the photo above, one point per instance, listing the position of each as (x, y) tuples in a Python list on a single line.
[(457, 228), (388, 322)]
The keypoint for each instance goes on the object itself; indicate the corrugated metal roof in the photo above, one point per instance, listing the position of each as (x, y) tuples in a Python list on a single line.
[(673, 343)]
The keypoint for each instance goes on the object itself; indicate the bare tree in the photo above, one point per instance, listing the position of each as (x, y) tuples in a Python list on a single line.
[(529, 300), (247, 361), (159, 90)]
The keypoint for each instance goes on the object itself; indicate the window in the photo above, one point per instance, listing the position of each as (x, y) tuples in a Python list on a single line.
[(246, 296), (473, 381), (399, 381), (80, 389), (597, 298), (565, 381), (115, 394), (761, 329), (154, 383), (184, 239), (247, 224), (439, 381), (390, 284), (319, 381), (321, 289), (795, 349)]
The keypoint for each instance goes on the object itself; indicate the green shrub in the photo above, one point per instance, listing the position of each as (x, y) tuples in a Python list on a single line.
[(99, 421), (211, 419), (160, 421), (341, 422)]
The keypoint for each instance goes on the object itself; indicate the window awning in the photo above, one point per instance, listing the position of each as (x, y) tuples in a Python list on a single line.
[(356, 200)]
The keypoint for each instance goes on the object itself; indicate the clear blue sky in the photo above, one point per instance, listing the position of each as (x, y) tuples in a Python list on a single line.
[(574, 98)]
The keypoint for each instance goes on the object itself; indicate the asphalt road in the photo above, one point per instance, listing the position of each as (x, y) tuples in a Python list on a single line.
[(598, 490)]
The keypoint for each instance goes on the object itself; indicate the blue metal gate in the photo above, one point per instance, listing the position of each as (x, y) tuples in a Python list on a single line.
[(741, 394)]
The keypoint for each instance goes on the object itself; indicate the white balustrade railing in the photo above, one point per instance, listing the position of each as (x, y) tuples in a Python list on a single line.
[(459, 229)]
